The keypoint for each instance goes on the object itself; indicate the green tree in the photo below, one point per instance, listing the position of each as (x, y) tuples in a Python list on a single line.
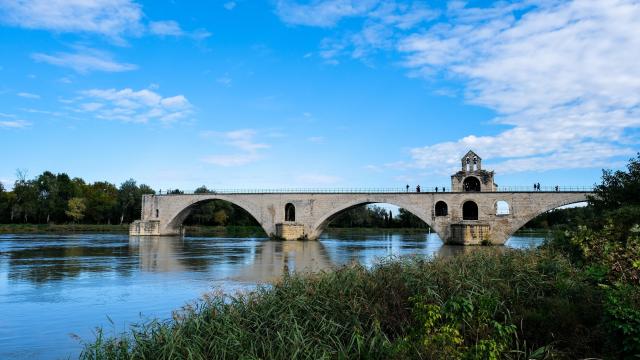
[(76, 208), (618, 197), (102, 202)]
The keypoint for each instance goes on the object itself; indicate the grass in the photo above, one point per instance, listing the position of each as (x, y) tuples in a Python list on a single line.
[(480, 305)]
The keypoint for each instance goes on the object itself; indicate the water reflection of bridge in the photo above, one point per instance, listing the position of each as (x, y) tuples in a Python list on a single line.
[(261, 260)]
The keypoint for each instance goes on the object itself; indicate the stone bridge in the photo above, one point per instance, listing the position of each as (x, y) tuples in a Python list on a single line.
[(497, 215), (472, 211)]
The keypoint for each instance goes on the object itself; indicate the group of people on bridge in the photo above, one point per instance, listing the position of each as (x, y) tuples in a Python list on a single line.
[(419, 190), (536, 187)]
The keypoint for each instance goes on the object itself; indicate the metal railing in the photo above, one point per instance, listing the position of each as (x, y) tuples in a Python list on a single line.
[(373, 190)]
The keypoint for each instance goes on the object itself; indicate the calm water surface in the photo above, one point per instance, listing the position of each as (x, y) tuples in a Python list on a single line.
[(55, 289)]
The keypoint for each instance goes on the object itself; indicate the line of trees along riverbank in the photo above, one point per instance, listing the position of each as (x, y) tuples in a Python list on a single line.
[(57, 199)]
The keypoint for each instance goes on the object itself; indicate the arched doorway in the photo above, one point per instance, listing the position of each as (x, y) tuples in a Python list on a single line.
[(289, 212), (471, 183), (470, 211), (441, 208)]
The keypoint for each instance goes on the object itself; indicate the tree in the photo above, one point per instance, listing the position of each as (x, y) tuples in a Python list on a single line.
[(102, 202), (618, 197), (77, 208)]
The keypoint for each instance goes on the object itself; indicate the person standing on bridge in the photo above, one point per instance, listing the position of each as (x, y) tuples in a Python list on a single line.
[(436, 189), (557, 189), (407, 187), (418, 188)]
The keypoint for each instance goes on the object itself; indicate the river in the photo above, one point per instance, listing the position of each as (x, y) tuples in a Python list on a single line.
[(56, 289)]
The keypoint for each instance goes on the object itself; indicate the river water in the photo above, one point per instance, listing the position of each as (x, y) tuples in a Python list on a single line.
[(56, 289)]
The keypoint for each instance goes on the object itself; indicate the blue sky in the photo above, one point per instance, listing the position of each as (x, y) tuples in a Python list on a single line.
[(324, 93)]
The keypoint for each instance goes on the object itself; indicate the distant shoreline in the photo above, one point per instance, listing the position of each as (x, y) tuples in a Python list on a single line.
[(220, 231)]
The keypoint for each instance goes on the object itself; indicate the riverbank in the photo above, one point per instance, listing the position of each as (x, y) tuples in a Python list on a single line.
[(62, 228), (213, 231), (481, 305)]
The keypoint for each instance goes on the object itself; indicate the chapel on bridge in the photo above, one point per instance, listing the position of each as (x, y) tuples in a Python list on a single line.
[(471, 178)]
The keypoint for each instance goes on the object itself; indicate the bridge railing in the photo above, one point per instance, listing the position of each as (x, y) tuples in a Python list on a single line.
[(373, 190), (545, 188)]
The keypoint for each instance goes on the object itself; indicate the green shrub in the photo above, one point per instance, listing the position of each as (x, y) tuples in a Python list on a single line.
[(480, 305)]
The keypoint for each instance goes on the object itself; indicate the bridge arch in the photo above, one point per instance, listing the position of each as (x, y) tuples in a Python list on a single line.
[(176, 220), (524, 219), (323, 221)]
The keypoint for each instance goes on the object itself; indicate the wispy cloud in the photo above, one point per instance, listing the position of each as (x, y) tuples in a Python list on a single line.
[(383, 22), (14, 124), (112, 18), (230, 5), (248, 150), (128, 105), (27, 95), (561, 75), (316, 139), (324, 13), (568, 106), (84, 60), (165, 28)]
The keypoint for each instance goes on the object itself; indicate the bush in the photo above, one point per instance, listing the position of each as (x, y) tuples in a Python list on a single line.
[(480, 305)]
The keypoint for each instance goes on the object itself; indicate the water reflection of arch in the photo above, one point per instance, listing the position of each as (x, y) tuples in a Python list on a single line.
[(158, 253), (275, 258)]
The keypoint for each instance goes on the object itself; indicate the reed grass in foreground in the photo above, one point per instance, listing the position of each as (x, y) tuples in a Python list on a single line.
[(480, 305)]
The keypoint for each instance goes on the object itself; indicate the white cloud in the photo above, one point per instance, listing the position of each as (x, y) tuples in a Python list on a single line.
[(383, 22), (564, 77), (316, 139), (324, 13), (230, 5), (165, 28), (241, 140), (133, 106), (14, 124), (84, 60), (28, 95), (112, 18)]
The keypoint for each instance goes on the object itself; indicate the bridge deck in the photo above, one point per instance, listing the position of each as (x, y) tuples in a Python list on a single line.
[(427, 190)]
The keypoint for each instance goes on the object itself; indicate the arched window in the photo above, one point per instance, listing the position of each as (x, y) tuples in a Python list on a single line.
[(502, 208), (441, 208), (471, 183), (469, 211), (289, 212)]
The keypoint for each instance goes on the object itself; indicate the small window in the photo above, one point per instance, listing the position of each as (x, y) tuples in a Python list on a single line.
[(502, 208), (470, 211), (441, 208), (157, 213), (289, 212)]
